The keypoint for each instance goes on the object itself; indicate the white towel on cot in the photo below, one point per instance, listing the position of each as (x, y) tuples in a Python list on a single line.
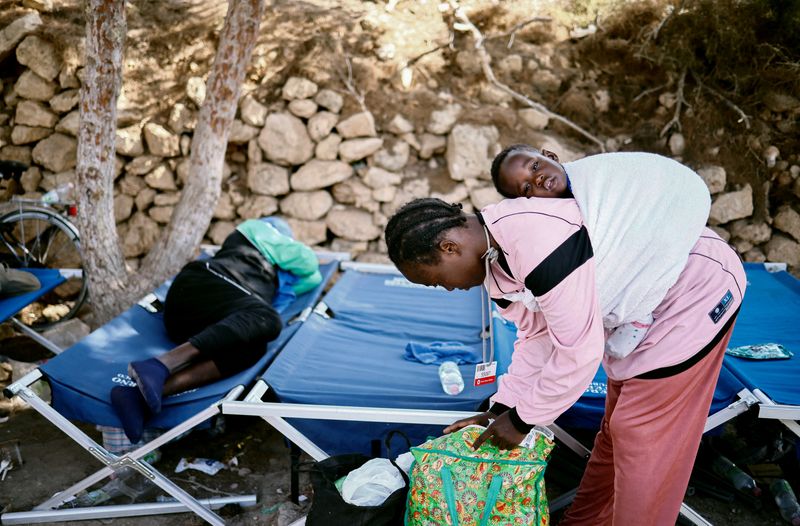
[(644, 213)]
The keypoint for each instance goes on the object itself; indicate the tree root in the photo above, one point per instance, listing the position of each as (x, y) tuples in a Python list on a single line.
[(679, 103), (742, 115)]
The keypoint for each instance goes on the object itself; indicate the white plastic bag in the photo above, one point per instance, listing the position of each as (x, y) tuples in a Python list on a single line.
[(372, 483)]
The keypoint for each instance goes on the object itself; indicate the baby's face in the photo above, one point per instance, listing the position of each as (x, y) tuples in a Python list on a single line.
[(530, 174)]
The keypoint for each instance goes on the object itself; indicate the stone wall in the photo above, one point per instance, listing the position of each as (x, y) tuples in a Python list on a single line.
[(335, 176)]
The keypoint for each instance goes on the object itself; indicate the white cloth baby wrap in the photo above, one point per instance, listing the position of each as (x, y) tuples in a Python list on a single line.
[(644, 213)]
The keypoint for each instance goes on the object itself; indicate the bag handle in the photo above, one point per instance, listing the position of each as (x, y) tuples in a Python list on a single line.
[(491, 499), (449, 494), (388, 441)]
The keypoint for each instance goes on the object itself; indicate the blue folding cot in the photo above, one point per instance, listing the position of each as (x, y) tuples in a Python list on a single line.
[(81, 379), (9, 307)]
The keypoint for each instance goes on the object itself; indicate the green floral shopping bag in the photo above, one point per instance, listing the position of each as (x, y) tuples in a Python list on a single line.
[(452, 484)]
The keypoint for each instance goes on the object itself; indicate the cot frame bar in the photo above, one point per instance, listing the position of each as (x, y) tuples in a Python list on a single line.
[(787, 414), (35, 336), (113, 462), (269, 411)]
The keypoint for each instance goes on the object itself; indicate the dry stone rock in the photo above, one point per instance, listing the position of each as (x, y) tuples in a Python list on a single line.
[(142, 164), (161, 214), (132, 185), (123, 207), (129, 141), (412, 141), (160, 141), (352, 224), (35, 114), (442, 121), (307, 205), (161, 178), (385, 194), (167, 199), (40, 56), (714, 177), (20, 154), (140, 235), (268, 179), (755, 233), (483, 196), (510, 65), (224, 208), (410, 190), (470, 150), (353, 192), (328, 148), (399, 125), (181, 118), (285, 140), (469, 62), (535, 119), (788, 220), (431, 144), (67, 332), (196, 90), (56, 153), (781, 249), (303, 108), (732, 205), (493, 95), (298, 88), (755, 255), (30, 179), (356, 149), (13, 33), (316, 175), (308, 232), (257, 206), (379, 178), (456, 195), (28, 134), (65, 101), (321, 124), (677, 144), (357, 125), (33, 87), (741, 245), (393, 158), (330, 100), (253, 112), (70, 123), (241, 132), (220, 230)]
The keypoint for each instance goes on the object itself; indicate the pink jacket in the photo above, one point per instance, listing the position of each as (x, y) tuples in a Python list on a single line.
[(545, 247)]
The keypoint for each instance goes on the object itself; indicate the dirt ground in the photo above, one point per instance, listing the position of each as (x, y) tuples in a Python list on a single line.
[(612, 80)]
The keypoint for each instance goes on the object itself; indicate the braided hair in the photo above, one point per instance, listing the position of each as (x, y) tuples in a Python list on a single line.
[(501, 157), (414, 230)]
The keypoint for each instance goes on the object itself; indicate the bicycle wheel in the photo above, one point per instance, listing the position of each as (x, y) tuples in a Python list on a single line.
[(37, 237)]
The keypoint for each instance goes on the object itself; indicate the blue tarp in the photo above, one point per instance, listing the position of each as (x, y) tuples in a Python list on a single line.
[(355, 358), (81, 378), (49, 279)]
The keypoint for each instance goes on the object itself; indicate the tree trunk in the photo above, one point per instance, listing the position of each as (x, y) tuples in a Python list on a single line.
[(111, 288), (199, 197), (103, 262)]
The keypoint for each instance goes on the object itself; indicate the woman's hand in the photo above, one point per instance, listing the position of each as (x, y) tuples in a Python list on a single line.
[(481, 420), (501, 433)]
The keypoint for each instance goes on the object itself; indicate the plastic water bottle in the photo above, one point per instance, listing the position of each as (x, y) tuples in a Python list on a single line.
[(62, 193), (730, 472), (786, 501), (450, 376)]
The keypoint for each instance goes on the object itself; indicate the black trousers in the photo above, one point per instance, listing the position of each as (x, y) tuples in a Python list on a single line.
[(227, 325)]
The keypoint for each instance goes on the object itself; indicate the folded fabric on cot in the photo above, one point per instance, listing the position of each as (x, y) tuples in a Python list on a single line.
[(437, 352)]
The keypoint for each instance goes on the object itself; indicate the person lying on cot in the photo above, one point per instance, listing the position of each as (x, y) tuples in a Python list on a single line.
[(224, 310), (607, 187), (658, 396)]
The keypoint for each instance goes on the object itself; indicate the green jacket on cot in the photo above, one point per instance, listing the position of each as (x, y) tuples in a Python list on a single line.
[(284, 252)]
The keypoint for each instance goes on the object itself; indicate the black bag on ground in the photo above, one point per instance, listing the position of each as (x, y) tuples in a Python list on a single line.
[(328, 508)]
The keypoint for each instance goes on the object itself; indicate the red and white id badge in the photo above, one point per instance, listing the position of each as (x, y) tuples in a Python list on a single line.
[(485, 373)]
